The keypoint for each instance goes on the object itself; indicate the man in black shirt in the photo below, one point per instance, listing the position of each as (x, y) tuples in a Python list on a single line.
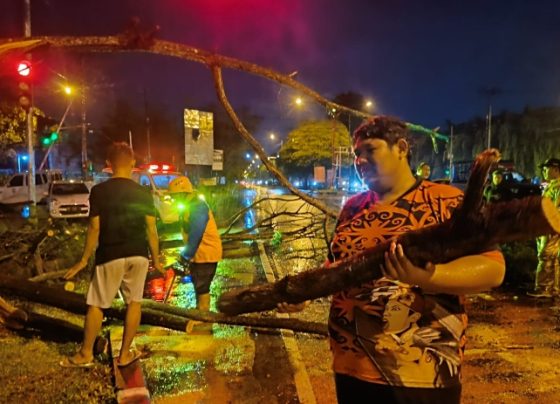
[(121, 230), (497, 190)]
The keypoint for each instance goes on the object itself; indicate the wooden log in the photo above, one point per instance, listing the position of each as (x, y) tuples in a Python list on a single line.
[(153, 313), (11, 316), (473, 229)]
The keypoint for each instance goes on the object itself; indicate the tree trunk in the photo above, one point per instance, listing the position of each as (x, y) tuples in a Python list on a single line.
[(11, 316), (473, 229), (153, 313)]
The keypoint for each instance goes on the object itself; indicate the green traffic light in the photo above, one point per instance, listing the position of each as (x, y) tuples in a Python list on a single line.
[(54, 137), (46, 141)]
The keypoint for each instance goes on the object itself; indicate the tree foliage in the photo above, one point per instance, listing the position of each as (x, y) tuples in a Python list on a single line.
[(527, 138), (13, 125), (312, 144)]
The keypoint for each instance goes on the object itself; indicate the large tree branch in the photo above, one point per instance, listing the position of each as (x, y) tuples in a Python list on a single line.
[(153, 313), (474, 228)]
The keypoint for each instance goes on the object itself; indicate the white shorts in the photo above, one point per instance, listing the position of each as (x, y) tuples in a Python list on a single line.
[(108, 277)]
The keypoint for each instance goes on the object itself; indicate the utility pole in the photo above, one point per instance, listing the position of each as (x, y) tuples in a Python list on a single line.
[(450, 154), (84, 125), (31, 153), (490, 92), (489, 136), (147, 116)]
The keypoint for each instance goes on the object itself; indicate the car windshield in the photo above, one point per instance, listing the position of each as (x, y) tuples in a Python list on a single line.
[(70, 189), (162, 181)]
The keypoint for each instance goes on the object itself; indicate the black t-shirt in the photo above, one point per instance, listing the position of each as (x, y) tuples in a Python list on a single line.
[(122, 206)]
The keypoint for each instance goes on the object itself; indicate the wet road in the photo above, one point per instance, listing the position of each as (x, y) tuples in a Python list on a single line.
[(229, 364)]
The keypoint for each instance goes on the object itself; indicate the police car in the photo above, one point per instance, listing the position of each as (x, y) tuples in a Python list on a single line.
[(156, 177)]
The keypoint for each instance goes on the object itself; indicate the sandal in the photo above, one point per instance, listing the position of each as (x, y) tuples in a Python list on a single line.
[(70, 362), (135, 356)]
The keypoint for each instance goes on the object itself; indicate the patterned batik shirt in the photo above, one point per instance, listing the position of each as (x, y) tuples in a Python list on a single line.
[(386, 331)]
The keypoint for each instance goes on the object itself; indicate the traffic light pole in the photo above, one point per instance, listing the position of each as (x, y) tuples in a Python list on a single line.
[(30, 151), (31, 160)]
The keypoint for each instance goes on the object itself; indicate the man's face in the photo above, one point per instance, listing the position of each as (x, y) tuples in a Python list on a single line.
[(550, 173), (377, 163), (425, 171), (497, 178)]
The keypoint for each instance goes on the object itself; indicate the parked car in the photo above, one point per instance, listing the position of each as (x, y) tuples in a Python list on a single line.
[(16, 189), (68, 199), (520, 186)]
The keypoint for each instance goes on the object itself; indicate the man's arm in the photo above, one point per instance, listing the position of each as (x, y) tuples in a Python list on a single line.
[(469, 274), (198, 220), (92, 238), (153, 241)]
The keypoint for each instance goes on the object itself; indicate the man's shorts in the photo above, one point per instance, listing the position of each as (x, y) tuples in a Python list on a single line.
[(202, 275), (108, 277)]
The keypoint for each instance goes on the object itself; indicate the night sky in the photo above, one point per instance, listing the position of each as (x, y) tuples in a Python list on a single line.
[(424, 61)]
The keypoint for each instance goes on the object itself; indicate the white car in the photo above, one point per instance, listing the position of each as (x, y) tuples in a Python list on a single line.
[(16, 189), (158, 183), (68, 199)]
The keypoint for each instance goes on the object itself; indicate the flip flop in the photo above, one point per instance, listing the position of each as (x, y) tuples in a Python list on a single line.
[(191, 324), (68, 362), (135, 356)]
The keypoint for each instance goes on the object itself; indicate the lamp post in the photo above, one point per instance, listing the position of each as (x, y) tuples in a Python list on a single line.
[(68, 91)]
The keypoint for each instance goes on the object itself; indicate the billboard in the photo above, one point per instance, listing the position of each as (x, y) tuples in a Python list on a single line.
[(319, 174), (218, 163), (199, 137)]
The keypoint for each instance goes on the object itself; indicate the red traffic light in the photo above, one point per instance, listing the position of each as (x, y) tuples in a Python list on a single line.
[(24, 68)]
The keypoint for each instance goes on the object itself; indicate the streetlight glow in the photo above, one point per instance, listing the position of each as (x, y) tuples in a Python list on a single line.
[(272, 136), (299, 101), (68, 90)]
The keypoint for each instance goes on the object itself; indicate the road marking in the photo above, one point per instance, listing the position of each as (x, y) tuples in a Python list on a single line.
[(301, 377)]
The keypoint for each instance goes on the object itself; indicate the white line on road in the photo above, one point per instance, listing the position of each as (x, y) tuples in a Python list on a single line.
[(301, 378)]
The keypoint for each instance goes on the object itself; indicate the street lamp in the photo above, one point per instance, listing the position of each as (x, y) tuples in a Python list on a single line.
[(54, 135), (298, 101), (368, 104)]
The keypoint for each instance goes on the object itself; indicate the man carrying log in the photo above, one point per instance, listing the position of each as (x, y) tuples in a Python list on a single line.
[(400, 338), (121, 230)]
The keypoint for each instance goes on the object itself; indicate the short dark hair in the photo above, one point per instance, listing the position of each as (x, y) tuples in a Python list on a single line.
[(120, 153), (387, 128)]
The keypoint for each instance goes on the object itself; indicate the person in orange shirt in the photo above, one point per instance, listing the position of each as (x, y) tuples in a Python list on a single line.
[(400, 338)]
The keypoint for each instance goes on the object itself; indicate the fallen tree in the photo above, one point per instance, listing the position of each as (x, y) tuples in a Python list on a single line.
[(153, 313), (475, 227)]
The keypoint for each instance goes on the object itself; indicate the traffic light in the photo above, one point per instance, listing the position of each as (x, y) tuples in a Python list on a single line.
[(49, 139), (24, 84), (47, 130)]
